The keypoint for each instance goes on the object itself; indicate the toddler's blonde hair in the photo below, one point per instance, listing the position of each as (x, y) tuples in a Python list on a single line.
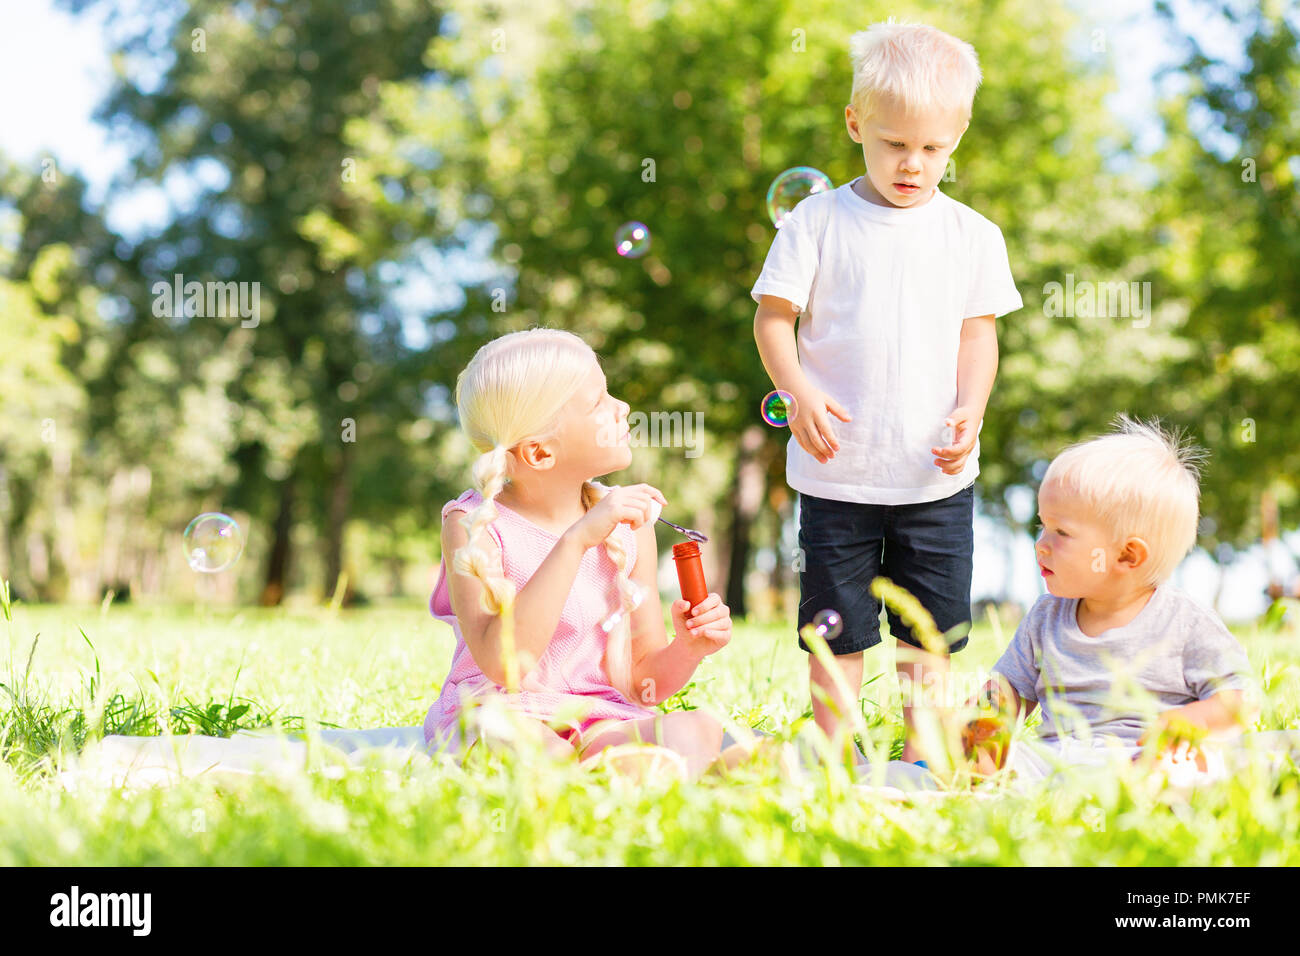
[(515, 388), (1140, 480), (921, 67)]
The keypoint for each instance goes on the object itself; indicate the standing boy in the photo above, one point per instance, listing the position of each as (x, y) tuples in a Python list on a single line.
[(895, 287)]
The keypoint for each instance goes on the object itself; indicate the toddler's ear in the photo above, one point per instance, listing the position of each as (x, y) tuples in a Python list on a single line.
[(1134, 553)]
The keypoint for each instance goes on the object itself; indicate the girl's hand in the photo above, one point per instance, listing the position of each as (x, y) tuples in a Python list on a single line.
[(707, 629), (811, 422), (951, 459), (632, 505)]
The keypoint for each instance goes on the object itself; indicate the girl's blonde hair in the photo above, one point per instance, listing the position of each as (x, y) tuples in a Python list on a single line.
[(515, 388), (922, 68), (1140, 480)]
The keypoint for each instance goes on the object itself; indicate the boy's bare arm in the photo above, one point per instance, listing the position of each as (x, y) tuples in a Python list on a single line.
[(774, 332), (811, 424), (977, 366)]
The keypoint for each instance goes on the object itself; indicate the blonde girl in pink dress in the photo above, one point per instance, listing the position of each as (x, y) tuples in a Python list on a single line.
[(540, 544)]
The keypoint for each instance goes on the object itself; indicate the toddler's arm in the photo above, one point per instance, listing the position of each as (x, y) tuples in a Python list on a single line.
[(1217, 672), (1221, 714), (985, 739), (774, 324), (1002, 696)]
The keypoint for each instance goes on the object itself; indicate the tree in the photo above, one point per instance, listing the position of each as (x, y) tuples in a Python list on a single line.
[(570, 122), (253, 103), (1230, 213)]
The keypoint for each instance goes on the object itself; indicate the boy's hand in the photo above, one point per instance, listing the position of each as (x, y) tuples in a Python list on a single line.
[(951, 458), (705, 630), (811, 422)]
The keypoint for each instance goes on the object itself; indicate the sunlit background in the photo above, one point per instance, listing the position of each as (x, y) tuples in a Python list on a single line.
[(55, 66)]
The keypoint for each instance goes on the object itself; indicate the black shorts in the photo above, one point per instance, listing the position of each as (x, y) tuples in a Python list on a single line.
[(925, 548)]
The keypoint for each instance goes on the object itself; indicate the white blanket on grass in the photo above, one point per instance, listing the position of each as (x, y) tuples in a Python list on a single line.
[(133, 762)]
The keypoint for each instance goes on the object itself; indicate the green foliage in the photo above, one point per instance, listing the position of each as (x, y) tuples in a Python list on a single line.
[(345, 153), (1230, 239)]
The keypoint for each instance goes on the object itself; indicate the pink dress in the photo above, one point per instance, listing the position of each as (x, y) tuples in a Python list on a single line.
[(571, 670)]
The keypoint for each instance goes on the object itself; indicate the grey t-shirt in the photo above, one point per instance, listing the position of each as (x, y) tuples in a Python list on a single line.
[(1172, 653)]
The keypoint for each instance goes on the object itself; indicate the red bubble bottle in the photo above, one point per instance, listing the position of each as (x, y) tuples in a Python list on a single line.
[(690, 572)]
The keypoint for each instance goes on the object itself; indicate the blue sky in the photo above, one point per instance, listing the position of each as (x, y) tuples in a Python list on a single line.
[(54, 67)]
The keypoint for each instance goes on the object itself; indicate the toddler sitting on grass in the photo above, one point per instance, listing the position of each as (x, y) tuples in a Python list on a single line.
[(1113, 640)]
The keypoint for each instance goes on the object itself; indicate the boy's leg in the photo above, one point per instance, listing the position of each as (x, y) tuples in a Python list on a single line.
[(928, 552), (925, 682), (841, 546), (831, 715)]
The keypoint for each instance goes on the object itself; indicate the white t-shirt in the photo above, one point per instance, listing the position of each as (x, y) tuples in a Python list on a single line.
[(883, 291)]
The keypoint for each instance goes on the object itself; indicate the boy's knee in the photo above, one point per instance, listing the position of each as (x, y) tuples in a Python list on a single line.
[(842, 661)]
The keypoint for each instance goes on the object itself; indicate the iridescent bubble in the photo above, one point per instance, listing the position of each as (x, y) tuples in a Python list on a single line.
[(828, 624), (632, 240), (612, 621), (790, 188), (213, 542), (779, 408)]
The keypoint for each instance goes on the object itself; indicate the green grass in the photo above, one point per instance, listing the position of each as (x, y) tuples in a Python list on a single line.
[(142, 670)]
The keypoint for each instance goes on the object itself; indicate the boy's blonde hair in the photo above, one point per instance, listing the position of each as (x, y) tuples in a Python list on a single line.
[(515, 388), (920, 67), (1142, 481)]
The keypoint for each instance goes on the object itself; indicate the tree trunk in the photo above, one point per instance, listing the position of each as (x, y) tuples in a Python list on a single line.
[(1268, 521), (779, 503), (340, 499), (746, 498), (112, 550), (75, 585), (6, 560), (277, 565)]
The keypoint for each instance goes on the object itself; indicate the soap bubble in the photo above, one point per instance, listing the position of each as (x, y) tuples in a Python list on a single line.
[(791, 187), (632, 240), (213, 542), (828, 624), (779, 408), (611, 622)]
